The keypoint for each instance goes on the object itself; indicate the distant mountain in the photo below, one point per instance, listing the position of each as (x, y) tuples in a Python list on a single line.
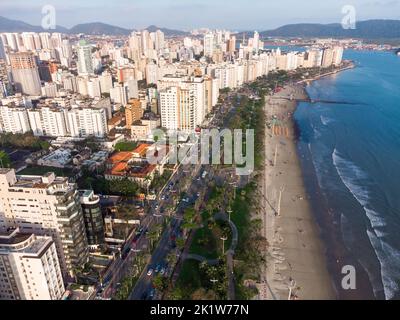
[(93, 28), (98, 28), (167, 32), (9, 25), (370, 29)]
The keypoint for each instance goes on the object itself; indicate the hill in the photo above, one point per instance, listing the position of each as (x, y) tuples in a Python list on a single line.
[(369, 29)]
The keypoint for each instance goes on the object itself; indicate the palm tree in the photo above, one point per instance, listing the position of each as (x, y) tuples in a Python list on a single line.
[(147, 181), (153, 236), (171, 259)]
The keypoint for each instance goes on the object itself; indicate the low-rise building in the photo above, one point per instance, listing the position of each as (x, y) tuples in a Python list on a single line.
[(58, 158)]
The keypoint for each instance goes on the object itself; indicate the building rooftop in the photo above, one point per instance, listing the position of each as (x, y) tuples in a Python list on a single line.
[(27, 243), (122, 156), (141, 150)]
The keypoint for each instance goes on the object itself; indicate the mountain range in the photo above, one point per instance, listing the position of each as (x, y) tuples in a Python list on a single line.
[(369, 29), (93, 28)]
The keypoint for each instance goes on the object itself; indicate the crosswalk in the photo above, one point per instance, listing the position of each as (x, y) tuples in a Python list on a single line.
[(279, 130)]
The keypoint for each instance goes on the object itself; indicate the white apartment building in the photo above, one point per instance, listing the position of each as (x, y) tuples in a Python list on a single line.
[(85, 62), (105, 82), (119, 94), (93, 88), (14, 119), (29, 267), (85, 122), (48, 121), (208, 43), (45, 205), (177, 109)]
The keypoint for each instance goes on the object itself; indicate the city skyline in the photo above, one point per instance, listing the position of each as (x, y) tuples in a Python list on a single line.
[(182, 15)]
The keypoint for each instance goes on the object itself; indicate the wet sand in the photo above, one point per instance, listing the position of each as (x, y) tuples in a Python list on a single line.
[(296, 255)]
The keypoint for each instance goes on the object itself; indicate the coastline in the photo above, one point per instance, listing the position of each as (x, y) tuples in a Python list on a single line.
[(350, 65), (296, 260), (304, 239)]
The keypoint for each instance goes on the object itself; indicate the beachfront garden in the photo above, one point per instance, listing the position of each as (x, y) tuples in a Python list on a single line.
[(201, 281)]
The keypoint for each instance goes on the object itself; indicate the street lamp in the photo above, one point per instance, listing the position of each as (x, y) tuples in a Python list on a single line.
[(229, 214), (223, 244), (292, 285)]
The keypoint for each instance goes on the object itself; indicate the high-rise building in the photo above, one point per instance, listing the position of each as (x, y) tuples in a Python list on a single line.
[(94, 90), (231, 44), (25, 73), (256, 41), (177, 109), (105, 82), (5, 85), (119, 94), (151, 73), (85, 62), (30, 267), (159, 40), (50, 206), (327, 58), (92, 216), (45, 40), (208, 43), (87, 121), (133, 112), (337, 55), (14, 119), (2, 50), (48, 121)]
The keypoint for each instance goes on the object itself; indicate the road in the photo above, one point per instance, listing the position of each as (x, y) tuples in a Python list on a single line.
[(144, 284)]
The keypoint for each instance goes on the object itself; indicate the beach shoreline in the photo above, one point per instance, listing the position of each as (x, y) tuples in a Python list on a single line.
[(296, 266)]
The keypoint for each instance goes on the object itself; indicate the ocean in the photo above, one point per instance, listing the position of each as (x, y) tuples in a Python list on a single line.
[(350, 155)]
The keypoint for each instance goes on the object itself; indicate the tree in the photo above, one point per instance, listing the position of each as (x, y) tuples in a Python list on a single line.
[(5, 161), (171, 259), (180, 243), (203, 294), (124, 187), (153, 236), (160, 283)]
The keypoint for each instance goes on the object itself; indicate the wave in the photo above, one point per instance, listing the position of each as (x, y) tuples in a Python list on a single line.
[(357, 182), (325, 120)]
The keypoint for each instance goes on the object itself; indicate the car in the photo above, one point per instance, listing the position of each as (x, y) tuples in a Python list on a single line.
[(156, 207), (163, 198), (152, 293), (198, 194), (150, 272), (162, 271), (158, 268)]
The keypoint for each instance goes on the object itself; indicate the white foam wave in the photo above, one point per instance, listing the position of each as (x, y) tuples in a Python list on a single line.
[(325, 120), (357, 183)]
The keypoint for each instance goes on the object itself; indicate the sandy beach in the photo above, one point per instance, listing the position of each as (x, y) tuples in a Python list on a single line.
[(296, 258)]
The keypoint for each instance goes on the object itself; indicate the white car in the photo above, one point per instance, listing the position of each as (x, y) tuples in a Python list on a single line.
[(150, 272)]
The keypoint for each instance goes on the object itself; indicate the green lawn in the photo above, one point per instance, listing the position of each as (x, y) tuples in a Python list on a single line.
[(207, 242), (189, 277), (40, 170), (125, 146), (204, 243)]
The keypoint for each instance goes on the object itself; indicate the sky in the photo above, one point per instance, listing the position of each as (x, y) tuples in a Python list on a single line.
[(189, 14)]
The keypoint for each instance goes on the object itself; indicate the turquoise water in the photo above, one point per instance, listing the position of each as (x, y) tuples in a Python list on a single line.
[(354, 150)]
